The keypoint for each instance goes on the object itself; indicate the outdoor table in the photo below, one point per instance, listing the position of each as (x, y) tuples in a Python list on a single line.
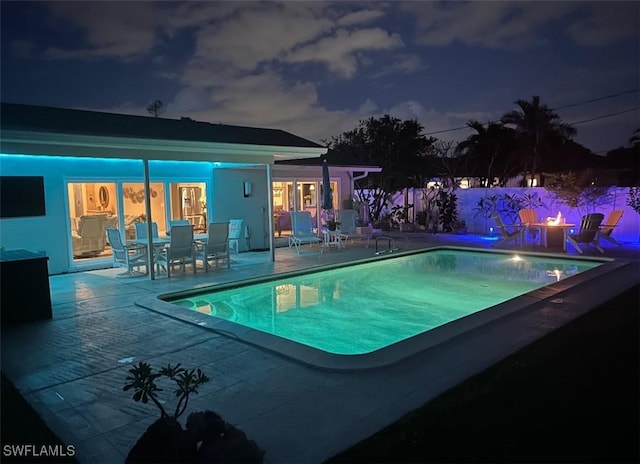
[(543, 229)]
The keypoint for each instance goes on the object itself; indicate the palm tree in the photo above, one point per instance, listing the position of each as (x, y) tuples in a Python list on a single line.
[(634, 140), (486, 146), (538, 127)]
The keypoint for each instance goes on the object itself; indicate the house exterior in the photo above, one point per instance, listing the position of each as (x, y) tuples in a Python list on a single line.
[(100, 169)]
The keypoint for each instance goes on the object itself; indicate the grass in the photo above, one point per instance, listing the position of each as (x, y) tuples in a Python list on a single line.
[(571, 396)]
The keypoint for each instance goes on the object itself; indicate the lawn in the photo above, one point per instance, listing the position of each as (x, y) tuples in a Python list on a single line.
[(571, 396)]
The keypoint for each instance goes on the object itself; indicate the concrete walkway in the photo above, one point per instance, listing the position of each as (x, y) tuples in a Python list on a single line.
[(72, 369)]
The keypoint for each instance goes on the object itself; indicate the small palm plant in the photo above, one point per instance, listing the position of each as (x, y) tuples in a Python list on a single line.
[(143, 381)]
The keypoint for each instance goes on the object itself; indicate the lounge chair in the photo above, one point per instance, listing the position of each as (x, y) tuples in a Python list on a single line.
[(506, 235), (217, 246), (589, 226), (302, 231), (237, 232), (127, 256), (347, 219), (528, 217), (180, 250), (608, 225)]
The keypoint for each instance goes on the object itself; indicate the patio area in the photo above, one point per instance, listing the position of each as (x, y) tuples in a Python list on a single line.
[(72, 369)]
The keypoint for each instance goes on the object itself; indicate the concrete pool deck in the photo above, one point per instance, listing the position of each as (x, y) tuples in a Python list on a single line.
[(71, 369)]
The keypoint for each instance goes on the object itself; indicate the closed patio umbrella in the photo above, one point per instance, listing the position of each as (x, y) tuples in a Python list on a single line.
[(327, 197)]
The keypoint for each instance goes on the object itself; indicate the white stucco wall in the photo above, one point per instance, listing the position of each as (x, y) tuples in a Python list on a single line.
[(50, 234), (628, 229)]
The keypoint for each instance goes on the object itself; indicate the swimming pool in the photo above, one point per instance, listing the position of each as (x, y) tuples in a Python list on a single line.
[(376, 306)]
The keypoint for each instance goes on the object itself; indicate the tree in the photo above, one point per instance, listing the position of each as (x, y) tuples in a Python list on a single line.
[(155, 108), (578, 190), (489, 149), (539, 129), (397, 146)]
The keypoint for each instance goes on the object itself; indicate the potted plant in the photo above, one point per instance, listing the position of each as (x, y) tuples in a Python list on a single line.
[(207, 437)]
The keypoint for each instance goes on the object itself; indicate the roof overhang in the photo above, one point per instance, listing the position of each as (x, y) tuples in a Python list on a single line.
[(56, 144)]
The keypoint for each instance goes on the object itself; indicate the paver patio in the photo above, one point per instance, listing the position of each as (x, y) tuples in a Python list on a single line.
[(71, 369)]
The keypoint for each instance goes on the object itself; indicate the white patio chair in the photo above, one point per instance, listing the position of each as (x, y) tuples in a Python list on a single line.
[(217, 246), (129, 256), (181, 250)]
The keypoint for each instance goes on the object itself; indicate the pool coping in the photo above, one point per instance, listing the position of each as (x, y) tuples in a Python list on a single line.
[(559, 295)]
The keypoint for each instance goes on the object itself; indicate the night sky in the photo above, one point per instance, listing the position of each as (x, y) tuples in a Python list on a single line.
[(316, 68)]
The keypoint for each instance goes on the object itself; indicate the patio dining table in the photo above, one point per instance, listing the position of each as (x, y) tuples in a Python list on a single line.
[(161, 242)]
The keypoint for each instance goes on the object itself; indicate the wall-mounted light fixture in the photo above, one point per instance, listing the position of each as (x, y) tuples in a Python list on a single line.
[(246, 188)]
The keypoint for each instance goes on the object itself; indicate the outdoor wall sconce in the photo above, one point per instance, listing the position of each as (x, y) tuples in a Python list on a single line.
[(246, 188)]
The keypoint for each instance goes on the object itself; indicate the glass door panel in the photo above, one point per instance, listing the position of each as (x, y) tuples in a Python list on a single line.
[(133, 199), (283, 205), (93, 207), (308, 199), (189, 202)]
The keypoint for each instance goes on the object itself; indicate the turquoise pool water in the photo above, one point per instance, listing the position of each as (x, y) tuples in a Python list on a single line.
[(361, 308)]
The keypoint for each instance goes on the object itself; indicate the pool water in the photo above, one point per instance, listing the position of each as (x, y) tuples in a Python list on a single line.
[(361, 308)]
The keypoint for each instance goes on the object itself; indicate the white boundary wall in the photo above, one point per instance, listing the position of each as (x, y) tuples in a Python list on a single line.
[(628, 229)]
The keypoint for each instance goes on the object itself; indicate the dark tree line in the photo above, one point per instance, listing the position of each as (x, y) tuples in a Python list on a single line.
[(529, 140)]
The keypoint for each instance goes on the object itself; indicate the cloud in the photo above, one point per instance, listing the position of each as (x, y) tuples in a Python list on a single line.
[(110, 31), (606, 23), (129, 30), (500, 24), (402, 64), (261, 33), (338, 51), (358, 17)]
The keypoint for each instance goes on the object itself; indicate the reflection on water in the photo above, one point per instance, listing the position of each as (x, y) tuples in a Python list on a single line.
[(364, 307)]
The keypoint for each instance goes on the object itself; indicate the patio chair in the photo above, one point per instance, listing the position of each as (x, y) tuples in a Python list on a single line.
[(129, 256), (528, 217), (177, 222), (347, 219), (180, 250), (589, 226), (237, 231), (506, 235), (302, 230), (141, 229), (217, 246), (608, 225)]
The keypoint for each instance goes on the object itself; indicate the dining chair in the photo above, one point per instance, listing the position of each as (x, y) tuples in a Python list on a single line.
[(177, 222), (608, 225), (217, 245), (141, 229), (589, 226), (180, 250), (129, 256)]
